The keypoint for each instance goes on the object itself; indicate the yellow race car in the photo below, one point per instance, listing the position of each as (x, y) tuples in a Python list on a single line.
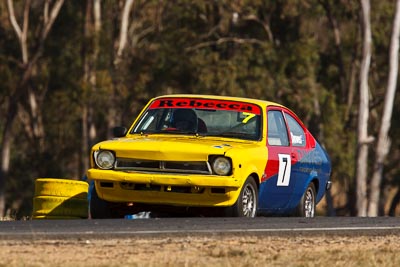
[(219, 155)]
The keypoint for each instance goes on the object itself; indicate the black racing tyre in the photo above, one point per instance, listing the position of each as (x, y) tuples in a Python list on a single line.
[(306, 206), (56, 207), (247, 202), (99, 208), (61, 188)]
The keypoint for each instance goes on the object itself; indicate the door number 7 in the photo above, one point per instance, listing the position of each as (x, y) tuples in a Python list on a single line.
[(285, 165)]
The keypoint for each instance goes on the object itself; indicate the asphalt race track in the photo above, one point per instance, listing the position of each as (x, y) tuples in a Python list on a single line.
[(130, 228)]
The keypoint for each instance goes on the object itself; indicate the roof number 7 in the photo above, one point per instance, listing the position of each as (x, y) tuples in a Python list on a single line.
[(248, 117)]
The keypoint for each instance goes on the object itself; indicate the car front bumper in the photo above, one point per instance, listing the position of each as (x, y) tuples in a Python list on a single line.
[(166, 188)]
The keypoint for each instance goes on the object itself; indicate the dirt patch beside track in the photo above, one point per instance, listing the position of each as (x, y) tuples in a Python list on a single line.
[(216, 250)]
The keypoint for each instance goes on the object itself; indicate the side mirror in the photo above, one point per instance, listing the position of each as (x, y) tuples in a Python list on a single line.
[(119, 131)]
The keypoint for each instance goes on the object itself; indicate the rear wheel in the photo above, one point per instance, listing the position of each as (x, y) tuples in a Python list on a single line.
[(246, 204), (306, 207)]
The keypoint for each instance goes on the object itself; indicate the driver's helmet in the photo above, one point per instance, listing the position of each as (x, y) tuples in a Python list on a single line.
[(184, 119)]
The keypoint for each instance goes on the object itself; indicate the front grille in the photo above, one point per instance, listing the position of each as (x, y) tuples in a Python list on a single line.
[(135, 164), (190, 167), (163, 188)]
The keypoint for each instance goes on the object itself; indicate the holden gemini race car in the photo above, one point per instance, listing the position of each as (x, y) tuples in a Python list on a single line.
[(228, 156)]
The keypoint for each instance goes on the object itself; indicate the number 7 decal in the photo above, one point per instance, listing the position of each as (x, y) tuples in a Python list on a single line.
[(285, 165)]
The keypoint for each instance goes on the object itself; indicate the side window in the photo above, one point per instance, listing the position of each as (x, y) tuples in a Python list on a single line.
[(277, 132), (296, 132)]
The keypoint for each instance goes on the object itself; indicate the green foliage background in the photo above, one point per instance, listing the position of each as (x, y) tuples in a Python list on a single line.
[(279, 50)]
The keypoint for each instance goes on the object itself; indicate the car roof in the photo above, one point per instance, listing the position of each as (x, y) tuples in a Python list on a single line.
[(218, 97)]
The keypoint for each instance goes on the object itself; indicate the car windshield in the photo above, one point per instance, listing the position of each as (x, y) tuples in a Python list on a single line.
[(208, 117)]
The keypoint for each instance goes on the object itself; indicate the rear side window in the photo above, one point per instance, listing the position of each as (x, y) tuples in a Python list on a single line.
[(277, 132), (297, 134)]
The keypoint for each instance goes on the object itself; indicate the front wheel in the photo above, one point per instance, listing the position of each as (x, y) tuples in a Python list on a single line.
[(99, 208), (247, 202), (306, 207)]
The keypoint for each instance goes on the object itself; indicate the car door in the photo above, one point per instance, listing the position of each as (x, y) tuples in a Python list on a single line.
[(303, 164), (278, 181)]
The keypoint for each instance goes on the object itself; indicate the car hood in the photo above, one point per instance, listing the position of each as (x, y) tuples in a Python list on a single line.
[(195, 148)]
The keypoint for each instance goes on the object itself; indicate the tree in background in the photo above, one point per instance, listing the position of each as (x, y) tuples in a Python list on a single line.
[(363, 138), (90, 53), (25, 97), (383, 142)]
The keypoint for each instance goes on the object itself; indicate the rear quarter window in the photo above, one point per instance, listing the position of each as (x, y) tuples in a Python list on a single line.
[(297, 134)]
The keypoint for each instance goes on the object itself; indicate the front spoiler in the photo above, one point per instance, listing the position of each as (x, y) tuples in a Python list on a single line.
[(108, 187)]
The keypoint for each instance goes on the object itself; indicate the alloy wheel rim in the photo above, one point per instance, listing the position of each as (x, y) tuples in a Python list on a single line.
[(248, 202)]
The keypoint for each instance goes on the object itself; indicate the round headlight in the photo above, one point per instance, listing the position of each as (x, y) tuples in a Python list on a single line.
[(105, 159), (221, 166)]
